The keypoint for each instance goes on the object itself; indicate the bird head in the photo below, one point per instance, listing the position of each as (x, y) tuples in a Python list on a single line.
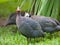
[(27, 14), (18, 10)]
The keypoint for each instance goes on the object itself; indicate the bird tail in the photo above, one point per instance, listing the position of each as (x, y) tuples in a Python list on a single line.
[(58, 27), (57, 21)]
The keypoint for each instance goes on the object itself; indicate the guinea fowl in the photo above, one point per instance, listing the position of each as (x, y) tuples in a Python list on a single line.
[(47, 24), (12, 19), (28, 27)]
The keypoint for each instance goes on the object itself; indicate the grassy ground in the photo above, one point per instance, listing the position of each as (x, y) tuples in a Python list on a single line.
[(9, 37)]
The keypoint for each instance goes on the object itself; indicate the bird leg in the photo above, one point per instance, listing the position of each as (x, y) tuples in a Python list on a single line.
[(28, 40)]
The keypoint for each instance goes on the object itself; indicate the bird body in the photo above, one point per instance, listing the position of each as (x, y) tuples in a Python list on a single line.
[(28, 27), (48, 24)]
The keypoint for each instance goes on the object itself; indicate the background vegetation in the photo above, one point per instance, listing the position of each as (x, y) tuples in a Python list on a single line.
[(49, 8)]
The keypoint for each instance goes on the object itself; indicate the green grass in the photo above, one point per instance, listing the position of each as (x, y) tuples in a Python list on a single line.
[(8, 37), (9, 6)]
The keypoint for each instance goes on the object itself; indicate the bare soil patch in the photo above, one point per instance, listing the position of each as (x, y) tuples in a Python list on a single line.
[(2, 21)]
